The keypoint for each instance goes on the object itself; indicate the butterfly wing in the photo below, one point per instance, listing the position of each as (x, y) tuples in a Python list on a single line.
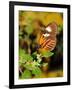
[(47, 43)]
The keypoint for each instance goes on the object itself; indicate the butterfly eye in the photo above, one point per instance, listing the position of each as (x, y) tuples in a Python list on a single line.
[(48, 29), (46, 35)]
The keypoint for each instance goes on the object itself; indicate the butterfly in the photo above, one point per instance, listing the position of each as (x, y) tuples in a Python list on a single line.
[(48, 40)]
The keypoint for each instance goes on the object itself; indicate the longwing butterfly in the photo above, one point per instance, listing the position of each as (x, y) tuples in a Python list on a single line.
[(47, 40)]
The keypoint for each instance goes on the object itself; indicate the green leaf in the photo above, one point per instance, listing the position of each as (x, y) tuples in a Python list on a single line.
[(26, 74), (31, 65), (28, 57), (47, 54), (21, 56), (28, 66), (25, 56), (21, 62), (36, 71), (35, 63)]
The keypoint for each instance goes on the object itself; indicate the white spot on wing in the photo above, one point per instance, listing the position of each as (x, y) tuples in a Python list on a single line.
[(48, 29), (46, 35)]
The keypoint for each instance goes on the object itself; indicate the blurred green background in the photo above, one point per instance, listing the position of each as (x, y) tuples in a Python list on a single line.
[(33, 64)]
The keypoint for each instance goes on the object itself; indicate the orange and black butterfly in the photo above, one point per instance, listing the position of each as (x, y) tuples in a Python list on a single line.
[(47, 40)]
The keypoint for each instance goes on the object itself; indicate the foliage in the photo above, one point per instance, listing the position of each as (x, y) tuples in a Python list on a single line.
[(26, 74), (36, 71), (47, 54), (31, 65), (24, 57)]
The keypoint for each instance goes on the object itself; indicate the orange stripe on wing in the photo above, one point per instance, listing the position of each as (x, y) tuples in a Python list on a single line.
[(44, 44), (50, 44)]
